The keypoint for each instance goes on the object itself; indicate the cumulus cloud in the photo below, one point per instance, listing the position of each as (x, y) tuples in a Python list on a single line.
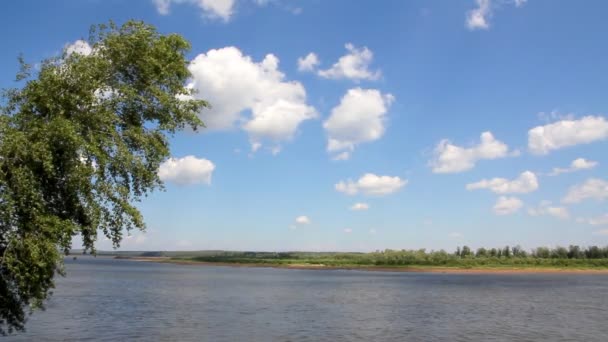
[(576, 165), (353, 66), (347, 230), (479, 17), (559, 212), (565, 133), (507, 205), (359, 206), (370, 184), (545, 208), (596, 221), (519, 3), (302, 220), (213, 9), (283, 5), (342, 156), (186, 170), (233, 83), (526, 182), (593, 188), (79, 47), (554, 115), (308, 63), (359, 118), (450, 158)]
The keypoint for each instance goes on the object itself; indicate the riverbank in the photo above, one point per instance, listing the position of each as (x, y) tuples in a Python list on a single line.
[(384, 268)]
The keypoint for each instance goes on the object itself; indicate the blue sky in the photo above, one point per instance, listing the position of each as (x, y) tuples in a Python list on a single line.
[(442, 122)]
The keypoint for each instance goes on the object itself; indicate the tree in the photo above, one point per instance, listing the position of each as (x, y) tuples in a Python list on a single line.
[(466, 251), (506, 252), (481, 252), (517, 251), (574, 252), (593, 252), (80, 142), (542, 252), (559, 253)]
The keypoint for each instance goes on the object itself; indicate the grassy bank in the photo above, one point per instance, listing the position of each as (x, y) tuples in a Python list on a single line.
[(354, 262), (384, 259)]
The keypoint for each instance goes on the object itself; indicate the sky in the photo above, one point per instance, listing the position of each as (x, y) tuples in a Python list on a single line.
[(358, 126)]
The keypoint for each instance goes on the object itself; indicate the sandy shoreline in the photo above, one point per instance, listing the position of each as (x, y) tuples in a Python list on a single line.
[(448, 270)]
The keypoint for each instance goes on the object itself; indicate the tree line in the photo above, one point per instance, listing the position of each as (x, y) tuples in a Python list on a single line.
[(573, 256), (572, 252)]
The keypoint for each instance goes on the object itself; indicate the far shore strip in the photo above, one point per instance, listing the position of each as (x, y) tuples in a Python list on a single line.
[(421, 269)]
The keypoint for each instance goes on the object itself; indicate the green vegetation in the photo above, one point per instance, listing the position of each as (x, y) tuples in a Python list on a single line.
[(507, 257), (80, 141)]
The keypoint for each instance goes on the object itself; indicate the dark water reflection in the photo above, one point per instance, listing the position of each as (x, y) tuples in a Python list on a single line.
[(117, 300)]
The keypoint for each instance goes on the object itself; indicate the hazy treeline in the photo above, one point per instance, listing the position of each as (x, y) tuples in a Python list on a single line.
[(593, 256), (572, 256), (572, 252)]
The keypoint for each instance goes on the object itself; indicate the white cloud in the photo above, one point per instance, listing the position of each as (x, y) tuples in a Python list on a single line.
[(593, 188), (507, 205), (80, 47), (525, 183), (559, 212), (186, 170), (308, 63), (519, 3), (233, 83), (479, 17), (302, 220), (564, 133), (213, 9), (554, 115), (162, 6), (597, 221), (373, 231), (359, 118), (284, 5), (583, 164), (370, 184), (576, 165), (601, 232), (545, 208), (347, 230), (342, 156), (449, 158), (455, 235), (359, 206), (353, 66)]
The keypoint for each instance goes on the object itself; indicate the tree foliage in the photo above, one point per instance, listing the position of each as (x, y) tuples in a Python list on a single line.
[(590, 257), (80, 143)]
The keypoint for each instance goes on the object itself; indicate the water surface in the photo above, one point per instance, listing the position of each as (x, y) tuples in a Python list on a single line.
[(115, 300)]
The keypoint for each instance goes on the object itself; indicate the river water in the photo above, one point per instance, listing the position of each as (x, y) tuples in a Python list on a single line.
[(105, 299)]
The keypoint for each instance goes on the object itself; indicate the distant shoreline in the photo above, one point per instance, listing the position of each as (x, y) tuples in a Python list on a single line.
[(410, 269)]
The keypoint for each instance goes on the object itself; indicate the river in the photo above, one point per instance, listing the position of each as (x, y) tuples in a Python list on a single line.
[(105, 299)]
